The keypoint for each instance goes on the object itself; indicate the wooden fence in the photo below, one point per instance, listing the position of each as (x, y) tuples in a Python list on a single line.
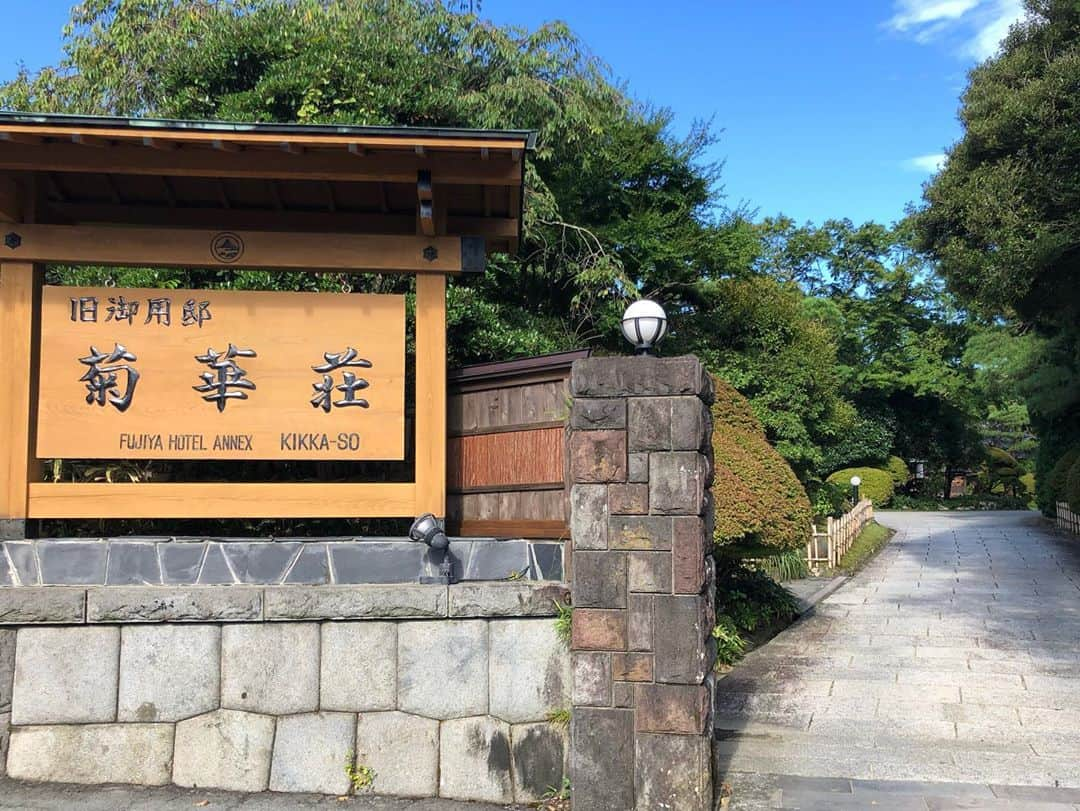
[(1067, 519), (505, 453), (827, 547)]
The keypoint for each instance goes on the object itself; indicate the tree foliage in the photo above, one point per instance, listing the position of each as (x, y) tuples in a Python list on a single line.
[(876, 484), (1003, 216)]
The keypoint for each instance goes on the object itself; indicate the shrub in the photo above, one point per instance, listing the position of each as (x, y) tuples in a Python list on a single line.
[(830, 499), (1002, 470), (1072, 486), (1027, 484), (877, 484), (758, 499), (898, 469), (1057, 481)]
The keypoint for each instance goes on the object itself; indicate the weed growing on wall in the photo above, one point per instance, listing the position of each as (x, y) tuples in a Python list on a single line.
[(564, 620), (361, 777)]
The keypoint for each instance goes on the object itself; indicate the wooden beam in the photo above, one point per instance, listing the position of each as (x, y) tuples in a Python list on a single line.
[(176, 247), (426, 204), (89, 140), (316, 140), (279, 218), (431, 394), (221, 500), (158, 143), (20, 286), (358, 150), (321, 165), (225, 146), (11, 200), (114, 190), (21, 138), (291, 148), (523, 528)]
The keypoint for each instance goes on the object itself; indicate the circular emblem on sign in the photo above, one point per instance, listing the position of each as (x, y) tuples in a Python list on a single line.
[(226, 247)]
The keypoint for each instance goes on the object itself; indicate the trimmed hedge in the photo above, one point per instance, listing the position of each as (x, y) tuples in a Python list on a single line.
[(898, 469), (877, 484), (758, 499)]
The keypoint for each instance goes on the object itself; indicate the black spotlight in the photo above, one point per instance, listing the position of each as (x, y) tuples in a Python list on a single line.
[(427, 530)]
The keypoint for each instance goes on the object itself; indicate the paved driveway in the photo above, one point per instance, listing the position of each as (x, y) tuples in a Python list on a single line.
[(954, 656)]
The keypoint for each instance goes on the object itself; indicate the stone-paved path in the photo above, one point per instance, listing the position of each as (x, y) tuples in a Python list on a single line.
[(953, 657)]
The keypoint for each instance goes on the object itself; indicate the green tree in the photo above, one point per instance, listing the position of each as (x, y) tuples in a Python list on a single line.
[(1003, 216), (616, 205)]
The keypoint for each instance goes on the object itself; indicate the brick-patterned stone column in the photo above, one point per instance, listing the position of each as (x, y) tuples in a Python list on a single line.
[(642, 584)]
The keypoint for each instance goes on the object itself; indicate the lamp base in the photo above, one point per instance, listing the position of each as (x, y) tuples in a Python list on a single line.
[(435, 580)]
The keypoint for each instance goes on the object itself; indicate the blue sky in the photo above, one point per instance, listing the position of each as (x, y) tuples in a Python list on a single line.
[(830, 108)]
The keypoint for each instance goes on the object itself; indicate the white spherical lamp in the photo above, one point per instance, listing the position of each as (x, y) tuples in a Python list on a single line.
[(855, 481), (644, 324)]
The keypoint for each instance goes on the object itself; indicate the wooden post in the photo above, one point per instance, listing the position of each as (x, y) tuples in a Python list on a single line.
[(20, 286), (431, 394)]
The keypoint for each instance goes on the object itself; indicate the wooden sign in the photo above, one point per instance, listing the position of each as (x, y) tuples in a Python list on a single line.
[(213, 374)]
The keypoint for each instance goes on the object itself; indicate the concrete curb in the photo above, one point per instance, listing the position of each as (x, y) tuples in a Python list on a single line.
[(805, 604)]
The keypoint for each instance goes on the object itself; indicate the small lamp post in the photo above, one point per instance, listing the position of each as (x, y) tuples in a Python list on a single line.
[(644, 324), (426, 530), (855, 482)]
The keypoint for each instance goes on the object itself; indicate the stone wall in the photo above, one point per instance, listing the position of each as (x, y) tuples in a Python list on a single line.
[(440, 691), (642, 584)]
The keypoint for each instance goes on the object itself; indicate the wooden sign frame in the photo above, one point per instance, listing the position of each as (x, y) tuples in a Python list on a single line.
[(24, 495), (84, 190)]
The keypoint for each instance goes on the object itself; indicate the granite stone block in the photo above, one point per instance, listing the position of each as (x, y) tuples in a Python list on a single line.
[(65, 675), (675, 772), (602, 758), (589, 516), (475, 760), (638, 468), (599, 629), (640, 377), (225, 749), (628, 499), (168, 672), (270, 668), (646, 532), (672, 708), (691, 424), (29, 605), (592, 679), (310, 751), (650, 572), (443, 668), (172, 603), (538, 755), (529, 670), (402, 750), (506, 599), (689, 548), (362, 601), (598, 456), (640, 622), (591, 415), (677, 483), (622, 694), (649, 424), (358, 666), (7, 666), (599, 579), (632, 666), (681, 639), (94, 753)]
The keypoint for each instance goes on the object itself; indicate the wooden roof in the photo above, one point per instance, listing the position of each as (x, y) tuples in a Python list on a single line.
[(77, 170)]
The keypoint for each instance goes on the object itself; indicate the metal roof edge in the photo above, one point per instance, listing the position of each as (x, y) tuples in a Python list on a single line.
[(239, 127)]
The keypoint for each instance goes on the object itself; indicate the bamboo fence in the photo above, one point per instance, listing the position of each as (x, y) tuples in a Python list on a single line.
[(827, 547)]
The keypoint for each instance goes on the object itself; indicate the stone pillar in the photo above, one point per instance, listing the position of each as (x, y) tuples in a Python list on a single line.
[(642, 584)]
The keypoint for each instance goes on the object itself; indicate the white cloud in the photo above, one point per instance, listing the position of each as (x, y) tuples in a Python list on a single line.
[(928, 164), (978, 26), (912, 13)]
